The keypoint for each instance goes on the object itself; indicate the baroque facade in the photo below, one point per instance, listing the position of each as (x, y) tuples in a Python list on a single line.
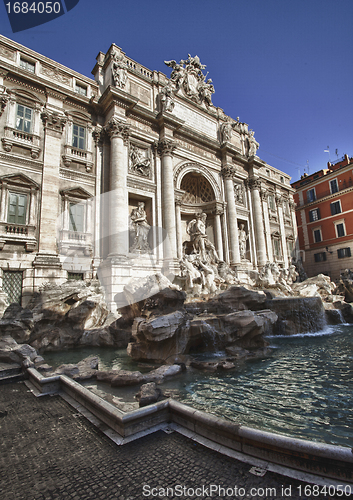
[(107, 175), (324, 217)]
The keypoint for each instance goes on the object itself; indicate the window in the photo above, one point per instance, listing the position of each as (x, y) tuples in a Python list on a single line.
[(282, 179), (317, 235), (80, 89), (277, 247), (76, 217), (27, 65), (24, 118), (320, 257), (74, 276), (16, 213), (343, 252), (314, 214), (311, 196), (271, 202), (333, 186), (335, 207), (12, 285), (340, 230), (78, 137)]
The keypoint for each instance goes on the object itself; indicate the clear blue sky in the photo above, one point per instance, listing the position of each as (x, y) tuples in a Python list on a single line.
[(285, 67)]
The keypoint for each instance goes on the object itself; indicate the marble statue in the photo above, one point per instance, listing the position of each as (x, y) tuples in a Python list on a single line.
[(253, 144), (243, 237), (202, 245), (119, 71), (141, 229), (187, 76), (166, 99), (226, 130)]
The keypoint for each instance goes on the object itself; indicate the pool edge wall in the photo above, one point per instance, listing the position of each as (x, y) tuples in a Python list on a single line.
[(328, 461)]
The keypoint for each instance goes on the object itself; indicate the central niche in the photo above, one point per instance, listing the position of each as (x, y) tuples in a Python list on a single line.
[(196, 189)]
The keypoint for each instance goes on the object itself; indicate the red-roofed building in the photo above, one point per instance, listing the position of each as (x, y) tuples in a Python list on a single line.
[(324, 211)]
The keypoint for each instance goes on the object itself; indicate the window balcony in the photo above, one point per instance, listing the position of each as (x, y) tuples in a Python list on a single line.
[(325, 194), (75, 241), (19, 234), (14, 137), (77, 155)]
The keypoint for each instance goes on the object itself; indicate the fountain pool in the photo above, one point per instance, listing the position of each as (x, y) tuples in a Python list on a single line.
[(303, 389)]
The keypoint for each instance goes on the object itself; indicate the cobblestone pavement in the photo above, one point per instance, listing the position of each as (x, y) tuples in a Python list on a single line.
[(48, 451)]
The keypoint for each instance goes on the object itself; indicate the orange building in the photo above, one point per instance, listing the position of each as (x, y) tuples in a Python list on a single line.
[(324, 212)]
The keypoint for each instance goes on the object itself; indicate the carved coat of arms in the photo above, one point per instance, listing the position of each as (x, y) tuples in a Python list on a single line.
[(188, 76)]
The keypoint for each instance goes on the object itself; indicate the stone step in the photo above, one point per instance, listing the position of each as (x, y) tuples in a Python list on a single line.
[(10, 372)]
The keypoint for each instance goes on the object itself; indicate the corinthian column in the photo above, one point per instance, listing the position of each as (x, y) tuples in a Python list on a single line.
[(255, 187), (228, 174), (165, 148), (118, 132)]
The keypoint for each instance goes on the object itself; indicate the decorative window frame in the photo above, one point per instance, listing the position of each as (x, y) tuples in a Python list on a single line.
[(307, 195), (12, 136), (329, 182), (337, 223), (276, 236), (79, 242), (317, 210), (272, 212), (19, 233), (77, 155), (340, 205), (290, 242), (318, 228), (26, 58)]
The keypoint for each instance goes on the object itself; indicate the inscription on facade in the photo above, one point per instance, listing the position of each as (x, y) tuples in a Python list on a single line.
[(196, 120)]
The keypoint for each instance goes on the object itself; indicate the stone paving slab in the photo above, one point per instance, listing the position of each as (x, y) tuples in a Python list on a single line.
[(48, 451)]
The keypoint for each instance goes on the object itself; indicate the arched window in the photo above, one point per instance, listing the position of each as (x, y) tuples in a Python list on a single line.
[(197, 189)]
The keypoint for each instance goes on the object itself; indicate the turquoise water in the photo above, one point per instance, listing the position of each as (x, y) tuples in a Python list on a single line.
[(303, 389)]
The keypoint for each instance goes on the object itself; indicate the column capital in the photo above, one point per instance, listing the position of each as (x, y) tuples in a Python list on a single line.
[(264, 194), (53, 121), (165, 147), (228, 171), (254, 183), (3, 101), (117, 128)]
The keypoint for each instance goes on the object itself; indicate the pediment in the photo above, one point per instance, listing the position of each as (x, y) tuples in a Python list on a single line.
[(276, 234), (76, 115), (19, 180), (76, 192), (29, 96)]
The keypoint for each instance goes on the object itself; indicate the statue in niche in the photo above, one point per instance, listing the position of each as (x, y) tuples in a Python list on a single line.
[(138, 163), (243, 237), (226, 130), (239, 195), (119, 71), (253, 144), (166, 99), (141, 229), (202, 245)]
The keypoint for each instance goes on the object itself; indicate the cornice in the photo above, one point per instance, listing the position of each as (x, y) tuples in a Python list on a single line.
[(11, 158)]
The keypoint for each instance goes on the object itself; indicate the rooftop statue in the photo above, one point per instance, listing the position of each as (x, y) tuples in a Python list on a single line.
[(188, 76)]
